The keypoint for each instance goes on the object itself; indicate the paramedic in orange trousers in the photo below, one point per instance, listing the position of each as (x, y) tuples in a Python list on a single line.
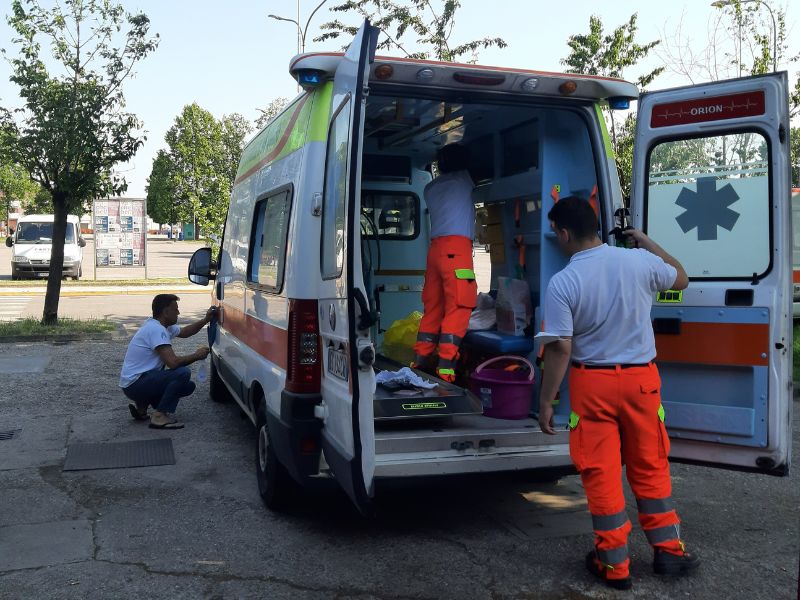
[(599, 306), (450, 291)]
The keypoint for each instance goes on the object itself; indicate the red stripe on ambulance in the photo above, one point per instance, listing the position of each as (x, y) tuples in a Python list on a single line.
[(701, 110), (269, 341)]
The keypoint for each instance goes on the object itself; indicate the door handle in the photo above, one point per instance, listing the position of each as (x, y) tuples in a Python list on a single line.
[(367, 318), (220, 290)]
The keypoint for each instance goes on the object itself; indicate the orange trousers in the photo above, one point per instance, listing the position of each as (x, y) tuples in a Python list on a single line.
[(617, 418), (448, 296)]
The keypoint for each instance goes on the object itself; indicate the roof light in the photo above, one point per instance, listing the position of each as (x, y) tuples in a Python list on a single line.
[(309, 78), (619, 103), (568, 87), (479, 79), (529, 84), (384, 71), (425, 74)]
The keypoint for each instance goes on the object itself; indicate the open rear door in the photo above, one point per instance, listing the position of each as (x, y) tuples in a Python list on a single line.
[(711, 186), (348, 381)]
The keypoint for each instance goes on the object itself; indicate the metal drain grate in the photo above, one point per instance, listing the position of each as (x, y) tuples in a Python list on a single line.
[(7, 435), (119, 455)]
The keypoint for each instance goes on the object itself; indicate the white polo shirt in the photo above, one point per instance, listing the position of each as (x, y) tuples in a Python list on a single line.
[(141, 355), (449, 200), (602, 299)]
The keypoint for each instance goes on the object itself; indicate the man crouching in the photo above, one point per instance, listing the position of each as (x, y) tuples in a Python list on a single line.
[(144, 378)]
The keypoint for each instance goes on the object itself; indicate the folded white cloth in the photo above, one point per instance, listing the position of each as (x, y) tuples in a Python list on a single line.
[(405, 377)]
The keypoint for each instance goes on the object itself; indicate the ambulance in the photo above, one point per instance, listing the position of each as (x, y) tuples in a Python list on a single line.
[(326, 236)]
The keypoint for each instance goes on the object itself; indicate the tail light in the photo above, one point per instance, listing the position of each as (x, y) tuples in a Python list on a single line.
[(304, 361)]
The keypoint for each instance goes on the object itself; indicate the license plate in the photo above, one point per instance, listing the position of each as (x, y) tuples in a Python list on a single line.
[(338, 364)]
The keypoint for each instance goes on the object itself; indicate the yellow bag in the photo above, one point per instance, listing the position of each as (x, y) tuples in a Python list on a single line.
[(399, 339)]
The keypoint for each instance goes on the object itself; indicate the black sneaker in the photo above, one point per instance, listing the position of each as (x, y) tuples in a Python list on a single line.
[(136, 412), (595, 569), (666, 563)]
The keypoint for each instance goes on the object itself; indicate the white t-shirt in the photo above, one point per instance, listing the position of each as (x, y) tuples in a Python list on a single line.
[(449, 200), (141, 355), (602, 299)]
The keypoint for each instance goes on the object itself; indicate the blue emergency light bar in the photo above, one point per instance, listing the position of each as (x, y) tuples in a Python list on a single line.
[(309, 78), (619, 103)]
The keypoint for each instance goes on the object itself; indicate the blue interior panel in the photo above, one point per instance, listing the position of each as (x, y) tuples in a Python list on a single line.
[(725, 404)]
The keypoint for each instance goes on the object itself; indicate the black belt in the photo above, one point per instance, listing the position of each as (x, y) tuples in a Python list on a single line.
[(581, 365)]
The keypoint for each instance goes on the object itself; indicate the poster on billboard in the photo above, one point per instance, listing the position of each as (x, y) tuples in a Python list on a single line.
[(120, 232)]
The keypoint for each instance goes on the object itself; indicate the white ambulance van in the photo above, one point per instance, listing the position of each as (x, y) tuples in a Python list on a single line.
[(327, 232), (32, 243)]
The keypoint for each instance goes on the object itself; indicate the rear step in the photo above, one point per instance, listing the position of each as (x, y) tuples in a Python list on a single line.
[(445, 400)]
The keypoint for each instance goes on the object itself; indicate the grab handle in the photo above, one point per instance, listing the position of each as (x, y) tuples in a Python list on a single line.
[(499, 358)]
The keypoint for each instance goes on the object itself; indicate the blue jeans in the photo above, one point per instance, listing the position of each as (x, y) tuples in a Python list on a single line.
[(161, 389)]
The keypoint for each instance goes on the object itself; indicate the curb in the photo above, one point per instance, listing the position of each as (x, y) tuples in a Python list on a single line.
[(63, 338)]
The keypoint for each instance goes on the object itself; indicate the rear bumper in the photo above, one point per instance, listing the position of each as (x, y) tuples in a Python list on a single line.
[(295, 434), (455, 462)]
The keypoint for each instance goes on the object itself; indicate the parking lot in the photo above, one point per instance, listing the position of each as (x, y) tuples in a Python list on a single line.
[(165, 259), (197, 529)]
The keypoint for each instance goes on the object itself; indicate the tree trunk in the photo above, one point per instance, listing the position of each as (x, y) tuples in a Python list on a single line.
[(50, 312)]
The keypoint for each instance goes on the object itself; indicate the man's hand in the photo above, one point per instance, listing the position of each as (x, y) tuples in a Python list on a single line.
[(210, 314), (546, 417), (201, 352)]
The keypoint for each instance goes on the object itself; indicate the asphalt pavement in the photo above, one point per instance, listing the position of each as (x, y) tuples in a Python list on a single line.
[(197, 529)]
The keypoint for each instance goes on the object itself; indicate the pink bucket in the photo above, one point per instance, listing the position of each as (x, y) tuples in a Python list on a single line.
[(504, 394)]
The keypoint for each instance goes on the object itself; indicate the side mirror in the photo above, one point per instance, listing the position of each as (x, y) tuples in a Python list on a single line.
[(81, 242), (201, 267), (9, 241)]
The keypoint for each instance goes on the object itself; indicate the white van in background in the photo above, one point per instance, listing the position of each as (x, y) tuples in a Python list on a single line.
[(32, 243), (326, 238)]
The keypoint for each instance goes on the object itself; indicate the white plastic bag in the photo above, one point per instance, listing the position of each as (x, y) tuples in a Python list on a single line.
[(514, 307), (484, 315)]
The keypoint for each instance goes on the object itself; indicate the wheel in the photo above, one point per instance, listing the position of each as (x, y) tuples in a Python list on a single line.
[(216, 388), (79, 275), (276, 487)]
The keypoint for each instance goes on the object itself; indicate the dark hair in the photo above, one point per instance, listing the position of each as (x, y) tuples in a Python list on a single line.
[(575, 215), (453, 157), (162, 301)]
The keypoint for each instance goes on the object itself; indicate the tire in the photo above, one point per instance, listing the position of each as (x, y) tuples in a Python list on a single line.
[(216, 387), (276, 487), (79, 275)]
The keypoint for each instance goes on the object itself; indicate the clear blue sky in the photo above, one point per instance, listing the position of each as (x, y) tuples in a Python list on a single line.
[(229, 57)]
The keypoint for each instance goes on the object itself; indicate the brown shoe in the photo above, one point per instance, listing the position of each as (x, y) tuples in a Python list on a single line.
[(140, 414)]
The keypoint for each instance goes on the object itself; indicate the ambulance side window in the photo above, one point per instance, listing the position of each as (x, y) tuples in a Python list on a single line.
[(268, 255), (334, 211), (708, 204)]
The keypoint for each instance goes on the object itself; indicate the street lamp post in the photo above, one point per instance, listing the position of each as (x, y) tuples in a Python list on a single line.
[(721, 3), (301, 31)]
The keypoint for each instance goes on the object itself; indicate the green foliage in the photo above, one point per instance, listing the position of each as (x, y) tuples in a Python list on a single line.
[(193, 178), (66, 326), (431, 23), (794, 152), (73, 129), (15, 184), (610, 55)]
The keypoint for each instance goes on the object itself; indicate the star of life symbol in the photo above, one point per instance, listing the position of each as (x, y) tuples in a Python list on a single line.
[(707, 208)]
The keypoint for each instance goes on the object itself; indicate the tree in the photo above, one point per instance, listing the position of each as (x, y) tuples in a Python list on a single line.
[(272, 110), (396, 18), (192, 180), (742, 40), (610, 56), (162, 205), (73, 128), (15, 184)]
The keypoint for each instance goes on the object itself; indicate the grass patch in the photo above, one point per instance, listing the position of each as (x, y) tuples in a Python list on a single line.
[(31, 327), (42, 283)]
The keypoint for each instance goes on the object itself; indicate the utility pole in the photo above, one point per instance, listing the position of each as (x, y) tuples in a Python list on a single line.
[(723, 3), (301, 31)]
